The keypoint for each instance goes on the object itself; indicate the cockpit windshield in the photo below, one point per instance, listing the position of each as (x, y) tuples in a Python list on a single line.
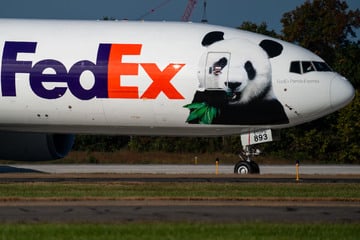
[(302, 67)]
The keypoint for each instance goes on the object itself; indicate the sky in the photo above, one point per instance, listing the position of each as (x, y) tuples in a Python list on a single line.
[(231, 13)]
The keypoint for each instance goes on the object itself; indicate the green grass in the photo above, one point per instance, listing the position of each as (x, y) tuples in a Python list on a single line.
[(179, 231), (185, 189)]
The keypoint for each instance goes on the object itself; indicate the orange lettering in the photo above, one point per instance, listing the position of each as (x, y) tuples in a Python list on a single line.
[(117, 68), (161, 81)]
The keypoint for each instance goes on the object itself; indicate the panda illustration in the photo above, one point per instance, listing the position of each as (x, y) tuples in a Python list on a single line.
[(235, 84)]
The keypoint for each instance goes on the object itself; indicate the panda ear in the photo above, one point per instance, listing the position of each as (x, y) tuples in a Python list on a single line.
[(212, 37), (272, 48)]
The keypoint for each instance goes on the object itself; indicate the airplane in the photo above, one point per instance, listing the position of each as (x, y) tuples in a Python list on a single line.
[(64, 77)]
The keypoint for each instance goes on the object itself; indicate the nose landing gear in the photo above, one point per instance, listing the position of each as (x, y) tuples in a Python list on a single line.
[(248, 139), (246, 165)]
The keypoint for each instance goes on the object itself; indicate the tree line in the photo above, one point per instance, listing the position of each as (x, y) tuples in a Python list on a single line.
[(325, 27)]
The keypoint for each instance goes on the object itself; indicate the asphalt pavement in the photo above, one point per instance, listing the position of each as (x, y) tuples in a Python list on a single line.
[(177, 169)]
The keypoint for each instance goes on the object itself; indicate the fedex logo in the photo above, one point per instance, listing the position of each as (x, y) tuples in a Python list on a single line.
[(107, 71)]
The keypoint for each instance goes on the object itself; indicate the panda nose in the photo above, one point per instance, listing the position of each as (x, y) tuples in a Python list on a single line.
[(233, 85)]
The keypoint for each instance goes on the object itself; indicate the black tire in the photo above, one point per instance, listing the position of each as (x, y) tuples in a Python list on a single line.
[(242, 167), (255, 167), (245, 167)]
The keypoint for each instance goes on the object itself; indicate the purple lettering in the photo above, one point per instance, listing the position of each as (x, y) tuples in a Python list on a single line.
[(74, 80), (38, 77), (99, 70), (50, 79), (10, 65)]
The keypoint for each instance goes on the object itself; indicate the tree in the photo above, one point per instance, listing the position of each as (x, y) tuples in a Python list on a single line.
[(176, 144), (348, 132), (346, 62), (262, 29), (321, 26), (100, 143)]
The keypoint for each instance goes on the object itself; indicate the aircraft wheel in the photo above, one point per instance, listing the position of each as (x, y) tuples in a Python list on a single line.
[(242, 167), (245, 167)]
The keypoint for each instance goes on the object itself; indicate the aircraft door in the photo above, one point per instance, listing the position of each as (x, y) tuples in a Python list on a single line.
[(216, 70)]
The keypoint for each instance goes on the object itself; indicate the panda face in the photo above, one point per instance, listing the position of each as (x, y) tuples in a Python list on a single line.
[(244, 70), (248, 74), (241, 76)]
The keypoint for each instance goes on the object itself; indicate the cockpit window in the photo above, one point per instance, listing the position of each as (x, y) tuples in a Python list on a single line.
[(302, 67), (307, 67), (295, 67), (322, 67)]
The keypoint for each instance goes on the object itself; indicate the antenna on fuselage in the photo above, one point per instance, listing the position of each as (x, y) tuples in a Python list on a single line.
[(204, 17)]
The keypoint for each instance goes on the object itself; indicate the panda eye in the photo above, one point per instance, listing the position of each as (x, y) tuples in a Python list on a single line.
[(251, 72), (222, 62)]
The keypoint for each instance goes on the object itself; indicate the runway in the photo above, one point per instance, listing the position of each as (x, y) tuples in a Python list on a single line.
[(177, 169), (92, 173), (158, 209), (177, 211)]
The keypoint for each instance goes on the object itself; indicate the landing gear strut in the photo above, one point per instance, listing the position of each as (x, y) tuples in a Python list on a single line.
[(248, 139), (246, 165)]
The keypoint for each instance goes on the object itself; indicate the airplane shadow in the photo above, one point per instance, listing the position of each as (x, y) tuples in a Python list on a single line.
[(11, 169)]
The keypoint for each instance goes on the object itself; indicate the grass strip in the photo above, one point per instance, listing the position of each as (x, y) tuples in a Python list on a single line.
[(181, 231), (181, 190)]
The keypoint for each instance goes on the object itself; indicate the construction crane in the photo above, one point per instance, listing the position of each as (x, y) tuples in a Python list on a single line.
[(151, 11), (186, 16), (188, 11)]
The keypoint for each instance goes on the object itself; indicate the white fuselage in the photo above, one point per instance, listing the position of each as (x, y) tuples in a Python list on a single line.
[(124, 77)]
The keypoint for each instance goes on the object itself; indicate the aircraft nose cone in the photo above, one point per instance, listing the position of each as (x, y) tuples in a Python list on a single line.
[(341, 92)]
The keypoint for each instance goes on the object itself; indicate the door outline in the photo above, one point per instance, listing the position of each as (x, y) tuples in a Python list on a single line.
[(214, 75)]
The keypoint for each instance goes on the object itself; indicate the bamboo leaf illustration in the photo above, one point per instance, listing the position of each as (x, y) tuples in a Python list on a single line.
[(197, 113), (209, 115), (201, 112)]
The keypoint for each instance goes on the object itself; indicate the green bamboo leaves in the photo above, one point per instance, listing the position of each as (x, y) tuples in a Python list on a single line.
[(201, 112)]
